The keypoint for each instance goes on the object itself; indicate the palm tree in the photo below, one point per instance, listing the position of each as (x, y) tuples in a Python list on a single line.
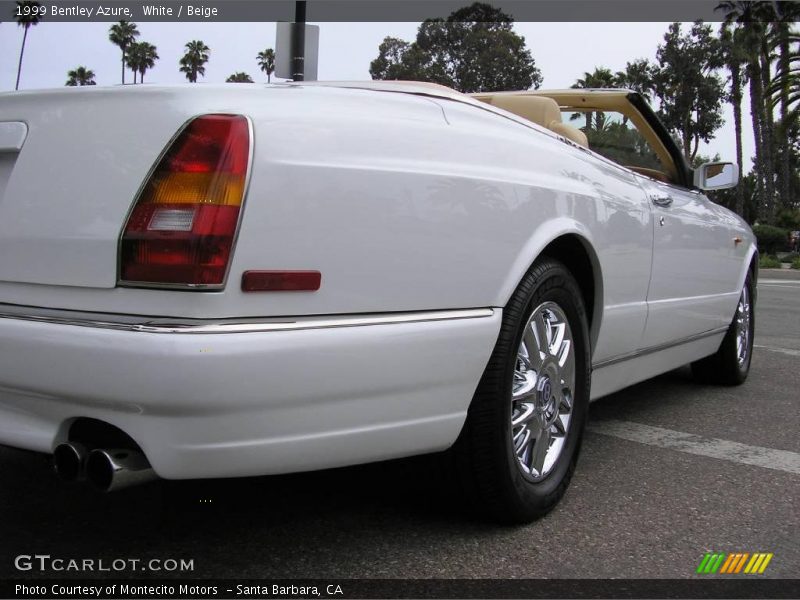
[(80, 76), (779, 89), (637, 77), (239, 77), (786, 84), (266, 62), (133, 58), (141, 57), (122, 35), (750, 15), (147, 60), (734, 59), (193, 62), (27, 16), (600, 78)]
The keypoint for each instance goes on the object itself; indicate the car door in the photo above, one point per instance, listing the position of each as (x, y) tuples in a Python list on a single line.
[(693, 267)]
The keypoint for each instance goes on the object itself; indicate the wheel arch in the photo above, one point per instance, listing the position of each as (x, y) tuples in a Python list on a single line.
[(571, 245), (749, 267)]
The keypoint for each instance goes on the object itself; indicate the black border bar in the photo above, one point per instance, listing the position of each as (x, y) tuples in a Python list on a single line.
[(374, 10), (735, 587)]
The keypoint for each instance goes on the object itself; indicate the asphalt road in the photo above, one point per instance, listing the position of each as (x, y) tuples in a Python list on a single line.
[(636, 509)]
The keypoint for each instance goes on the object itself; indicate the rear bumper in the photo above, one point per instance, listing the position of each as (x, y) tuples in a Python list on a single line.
[(236, 399)]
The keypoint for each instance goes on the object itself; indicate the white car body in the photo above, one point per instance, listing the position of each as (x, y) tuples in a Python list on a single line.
[(422, 209)]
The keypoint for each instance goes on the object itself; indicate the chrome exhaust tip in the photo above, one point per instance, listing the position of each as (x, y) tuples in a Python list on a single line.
[(111, 470), (69, 461)]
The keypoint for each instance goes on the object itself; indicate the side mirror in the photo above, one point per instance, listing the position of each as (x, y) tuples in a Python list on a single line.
[(716, 176)]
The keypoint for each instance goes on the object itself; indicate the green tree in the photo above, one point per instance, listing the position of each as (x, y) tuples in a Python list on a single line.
[(266, 62), (779, 89), (728, 198), (80, 76), (750, 15), (193, 62), (27, 16), (734, 58), (122, 35), (785, 86), (141, 57), (701, 159), (622, 144), (397, 59), (789, 151), (687, 86), (474, 50), (600, 78), (239, 77), (637, 77)]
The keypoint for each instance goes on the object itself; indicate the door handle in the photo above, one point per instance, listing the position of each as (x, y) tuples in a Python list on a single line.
[(661, 200)]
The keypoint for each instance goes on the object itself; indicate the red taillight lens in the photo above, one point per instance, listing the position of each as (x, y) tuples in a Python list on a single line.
[(182, 228)]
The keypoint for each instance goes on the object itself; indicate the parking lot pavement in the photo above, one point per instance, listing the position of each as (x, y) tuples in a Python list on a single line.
[(670, 470)]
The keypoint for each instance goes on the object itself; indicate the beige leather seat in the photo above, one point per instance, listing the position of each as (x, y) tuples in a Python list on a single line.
[(571, 133), (542, 111)]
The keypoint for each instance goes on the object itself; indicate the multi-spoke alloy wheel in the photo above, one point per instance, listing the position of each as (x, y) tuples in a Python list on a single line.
[(543, 390), (518, 449), (742, 323), (730, 364)]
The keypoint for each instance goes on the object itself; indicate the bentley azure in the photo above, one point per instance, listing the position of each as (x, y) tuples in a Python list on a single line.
[(243, 280)]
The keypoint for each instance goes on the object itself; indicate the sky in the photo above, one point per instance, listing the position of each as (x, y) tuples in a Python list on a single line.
[(562, 51)]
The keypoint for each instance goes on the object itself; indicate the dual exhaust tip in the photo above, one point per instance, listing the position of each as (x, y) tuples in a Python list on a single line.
[(106, 470)]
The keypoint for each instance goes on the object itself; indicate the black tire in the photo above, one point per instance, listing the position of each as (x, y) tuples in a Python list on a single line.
[(724, 367), (488, 466)]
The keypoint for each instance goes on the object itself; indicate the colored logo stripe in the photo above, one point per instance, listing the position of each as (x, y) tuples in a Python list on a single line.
[(740, 564), (702, 567), (758, 564), (734, 562), (711, 562), (729, 562)]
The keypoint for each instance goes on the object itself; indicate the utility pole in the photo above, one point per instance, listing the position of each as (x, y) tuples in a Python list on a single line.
[(299, 42)]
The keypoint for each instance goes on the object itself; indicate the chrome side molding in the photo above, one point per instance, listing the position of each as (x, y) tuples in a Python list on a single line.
[(653, 349), (204, 326)]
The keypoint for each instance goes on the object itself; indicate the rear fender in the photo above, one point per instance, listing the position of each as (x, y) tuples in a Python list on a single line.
[(544, 235)]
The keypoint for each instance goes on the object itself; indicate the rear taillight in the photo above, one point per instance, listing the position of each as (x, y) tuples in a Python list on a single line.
[(183, 225)]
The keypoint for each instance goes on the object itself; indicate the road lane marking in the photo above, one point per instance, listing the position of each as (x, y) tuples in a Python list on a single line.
[(787, 281), (788, 351), (769, 458), (780, 281), (776, 285)]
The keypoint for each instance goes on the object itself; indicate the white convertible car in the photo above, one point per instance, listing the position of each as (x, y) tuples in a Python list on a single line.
[(221, 281)]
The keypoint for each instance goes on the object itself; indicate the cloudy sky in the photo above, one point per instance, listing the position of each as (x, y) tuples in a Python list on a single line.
[(563, 52)]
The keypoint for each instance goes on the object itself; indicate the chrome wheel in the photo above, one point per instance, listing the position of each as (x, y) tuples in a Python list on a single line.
[(730, 364), (543, 390), (742, 323)]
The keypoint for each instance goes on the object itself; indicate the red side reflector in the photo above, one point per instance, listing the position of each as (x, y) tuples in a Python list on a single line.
[(281, 281)]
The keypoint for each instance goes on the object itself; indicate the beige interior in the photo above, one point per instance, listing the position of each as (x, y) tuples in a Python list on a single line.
[(570, 132), (540, 110), (652, 173), (587, 100)]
